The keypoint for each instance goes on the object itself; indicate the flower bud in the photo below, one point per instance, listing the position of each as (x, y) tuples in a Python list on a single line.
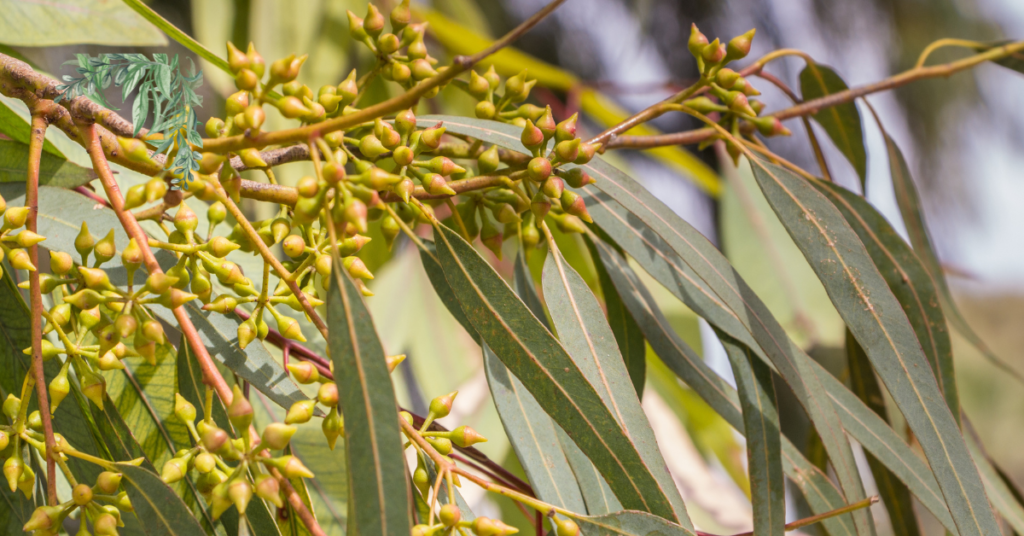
[(517, 88), (450, 515), (125, 325), (539, 169), (566, 130), (240, 411), (105, 249), (328, 394), (214, 439), (59, 389), (573, 204), (565, 527), (89, 317), (464, 437), (82, 494), (276, 435), (205, 462), (435, 184), (431, 137), (713, 53), (393, 361), (726, 78), (532, 136), (441, 406), (292, 108), (84, 242), (44, 519), (104, 524), (546, 124), (291, 466), (183, 410), (697, 41), (268, 489), (13, 469), (737, 102), (35, 421), (300, 412), (739, 46), (94, 387), (348, 89), (174, 470), (770, 126), (304, 372), (14, 217), (60, 262), (236, 58), (568, 151), (373, 24), (246, 80)]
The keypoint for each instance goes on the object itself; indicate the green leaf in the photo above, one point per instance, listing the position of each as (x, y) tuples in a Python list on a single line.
[(842, 121), (16, 127), (630, 523), (585, 334), (818, 489), (547, 370), (46, 24), (761, 426), (894, 493), (907, 279), (1005, 500), (597, 494), (378, 480), (53, 170), (533, 438), (444, 291), (913, 217), (165, 514), (661, 241), (877, 320), (627, 334)]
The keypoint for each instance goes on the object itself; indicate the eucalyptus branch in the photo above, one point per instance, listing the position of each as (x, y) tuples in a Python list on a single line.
[(35, 154), (812, 107)]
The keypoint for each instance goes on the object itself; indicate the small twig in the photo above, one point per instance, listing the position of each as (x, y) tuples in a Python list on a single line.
[(35, 155), (815, 146)]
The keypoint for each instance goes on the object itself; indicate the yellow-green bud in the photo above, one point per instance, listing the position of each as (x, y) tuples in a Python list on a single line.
[(268, 489), (442, 405), (276, 435), (300, 412), (304, 372), (240, 411)]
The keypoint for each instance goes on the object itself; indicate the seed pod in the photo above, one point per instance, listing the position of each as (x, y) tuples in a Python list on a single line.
[(276, 435), (268, 489), (300, 412)]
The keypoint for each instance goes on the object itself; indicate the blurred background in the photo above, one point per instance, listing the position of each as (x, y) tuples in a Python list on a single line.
[(963, 137)]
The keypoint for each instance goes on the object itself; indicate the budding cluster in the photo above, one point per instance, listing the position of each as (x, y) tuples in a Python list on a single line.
[(100, 504)]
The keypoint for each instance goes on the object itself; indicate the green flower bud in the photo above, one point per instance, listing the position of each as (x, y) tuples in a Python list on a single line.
[(373, 24), (573, 204), (183, 410), (587, 152), (104, 524), (304, 372), (240, 411), (174, 470), (205, 462), (553, 187), (770, 126), (108, 482), (566, 130), (532, 136), (431, 137), (539, 169), (95, 279), (713, 53), (13, 469), (567, 223), (240, 492), (59, 389), (60, 262), (697, 41), (292, 108), (105, 249), (738, 48), (90, 317), (485, 110), (540, 205), (291, 466), (236, 58), (268, 489), (44, 519), (401, 15), (478, 85), (156, 188), (328, 394), (441, 406), (214, 439), (14, 217), (82, 494), (84, 242), (246, 80), (568, 151), (356, 268), (450, 515), (276, 435), (35, 421), (125, 325), (300, 412), (256, 62), (565, 527), (435, 184), (348, 89), (215, 127), (488, 160)]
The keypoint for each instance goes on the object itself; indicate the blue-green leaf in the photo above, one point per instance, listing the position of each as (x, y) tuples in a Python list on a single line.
[(842, 121)]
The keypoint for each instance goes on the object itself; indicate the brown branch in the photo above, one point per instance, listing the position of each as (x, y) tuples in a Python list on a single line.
[(211, 376), (460, 64), (35, 155), (815, 145)]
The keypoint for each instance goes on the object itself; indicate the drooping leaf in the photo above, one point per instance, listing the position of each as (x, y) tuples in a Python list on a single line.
[(597, 495), (683, 260), (444, 291), (630, 523), (533, 438), (586, 335), (53, 170), (535, 357), (378, 482), (818, 489), (842, 121), (627, 334), (44, 24), (893, 492), (908, 281), (154, 501), (877, 320), (913, 217), (16, 127), (1003, 498), (761, 426)]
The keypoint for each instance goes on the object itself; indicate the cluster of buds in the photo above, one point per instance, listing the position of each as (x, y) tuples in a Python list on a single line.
[(443, 443), (401, 54), (13, 245), (224, 485), (100, 504), (731, 90)]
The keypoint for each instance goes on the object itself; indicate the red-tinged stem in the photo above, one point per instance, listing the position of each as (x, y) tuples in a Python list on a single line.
[(35, 155), (297, 505), (91, 195), (211, 376)]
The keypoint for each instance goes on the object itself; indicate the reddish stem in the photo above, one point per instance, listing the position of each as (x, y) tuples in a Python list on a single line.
[(35, 155), (211, 376)]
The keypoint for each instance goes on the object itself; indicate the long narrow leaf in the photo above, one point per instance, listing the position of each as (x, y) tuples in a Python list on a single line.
[(378, 479), (155, 502), (585, 334), (761, 426), (842, 121), (907, 279), (818, 489), (713, 288), (630, 523), (878, 322), (894, 493), (536, 358)]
